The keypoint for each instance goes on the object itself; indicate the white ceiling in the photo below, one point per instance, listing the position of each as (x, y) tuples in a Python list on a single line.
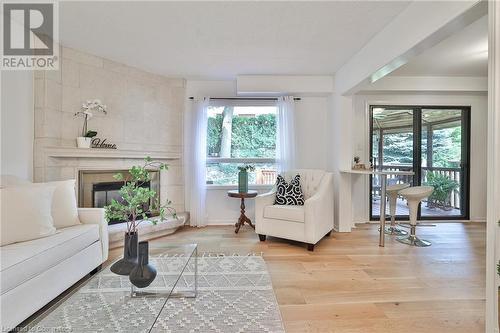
[(463, 54), (223, 39)]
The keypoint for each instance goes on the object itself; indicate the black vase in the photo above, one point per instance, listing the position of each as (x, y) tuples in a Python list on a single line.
[(143, 273), (125, 265)]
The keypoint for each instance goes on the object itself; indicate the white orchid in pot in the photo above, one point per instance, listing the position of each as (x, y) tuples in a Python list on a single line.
[(86, 112)]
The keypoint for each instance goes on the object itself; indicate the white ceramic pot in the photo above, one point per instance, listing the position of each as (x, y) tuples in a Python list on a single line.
[(83, 142)]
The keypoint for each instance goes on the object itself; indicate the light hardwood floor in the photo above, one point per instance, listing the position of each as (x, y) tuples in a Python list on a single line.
[(350, 285)]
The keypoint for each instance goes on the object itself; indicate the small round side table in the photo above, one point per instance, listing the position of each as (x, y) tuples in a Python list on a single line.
[(242, 195)]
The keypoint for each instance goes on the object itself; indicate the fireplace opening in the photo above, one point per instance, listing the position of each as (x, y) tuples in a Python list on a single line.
[(98, 188), (103, 194)]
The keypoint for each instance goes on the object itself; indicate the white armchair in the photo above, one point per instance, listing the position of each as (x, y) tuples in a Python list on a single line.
[(308, 223)]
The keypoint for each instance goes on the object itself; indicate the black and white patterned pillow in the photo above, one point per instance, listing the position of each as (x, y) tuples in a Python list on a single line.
[(289, 194)]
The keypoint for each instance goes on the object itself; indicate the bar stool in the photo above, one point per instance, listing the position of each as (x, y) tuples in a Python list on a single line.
[(414, 195), (392, 194)]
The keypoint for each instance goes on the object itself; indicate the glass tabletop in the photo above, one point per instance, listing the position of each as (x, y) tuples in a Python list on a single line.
[(109, 302)]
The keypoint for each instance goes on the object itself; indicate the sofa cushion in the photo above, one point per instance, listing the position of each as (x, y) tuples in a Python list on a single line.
[(285, 212), (23, 261), (64, 209), (26, 213)]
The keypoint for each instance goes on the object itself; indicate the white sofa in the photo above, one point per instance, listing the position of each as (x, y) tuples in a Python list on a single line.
[(308, 223), (34, 272)]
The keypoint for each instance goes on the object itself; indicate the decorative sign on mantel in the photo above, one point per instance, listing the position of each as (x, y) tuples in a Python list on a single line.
[(102, 144)]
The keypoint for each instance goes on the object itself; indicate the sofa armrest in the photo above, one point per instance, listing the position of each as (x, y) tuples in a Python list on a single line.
[(319, 211), (261, 201), (96, 216)]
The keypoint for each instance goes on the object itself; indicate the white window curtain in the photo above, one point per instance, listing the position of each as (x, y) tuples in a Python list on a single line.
[(285, 132), (197, 165)]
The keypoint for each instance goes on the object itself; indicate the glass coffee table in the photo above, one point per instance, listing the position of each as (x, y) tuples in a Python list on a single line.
[(109, 302)]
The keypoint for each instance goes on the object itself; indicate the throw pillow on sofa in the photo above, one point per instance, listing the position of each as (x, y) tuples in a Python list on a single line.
[(289, 193), (26, 213), (64, 208)]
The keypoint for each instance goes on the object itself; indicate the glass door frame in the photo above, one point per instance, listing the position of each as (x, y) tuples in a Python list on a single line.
[(417, 156)]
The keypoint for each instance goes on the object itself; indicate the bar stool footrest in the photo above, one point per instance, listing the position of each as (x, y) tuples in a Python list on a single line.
[(408, 225), (394, 231), (413, 241)]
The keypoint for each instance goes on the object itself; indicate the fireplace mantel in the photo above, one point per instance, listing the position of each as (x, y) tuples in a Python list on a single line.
[(68, 152)]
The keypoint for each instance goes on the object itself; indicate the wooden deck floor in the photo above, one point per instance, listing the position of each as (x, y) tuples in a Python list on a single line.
[(350, 285)]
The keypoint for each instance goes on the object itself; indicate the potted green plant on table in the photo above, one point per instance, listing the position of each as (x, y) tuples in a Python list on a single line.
[(243, 177), (137, 202), (87, 112), (443, 188)]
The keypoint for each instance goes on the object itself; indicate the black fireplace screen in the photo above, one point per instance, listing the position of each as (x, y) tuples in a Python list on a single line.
[(103, 193), (97, 188)]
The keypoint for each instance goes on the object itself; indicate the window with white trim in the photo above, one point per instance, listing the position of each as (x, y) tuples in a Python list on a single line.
[(241, 132)]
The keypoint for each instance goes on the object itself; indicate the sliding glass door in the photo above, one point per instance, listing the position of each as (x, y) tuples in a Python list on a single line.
[(431, 141)]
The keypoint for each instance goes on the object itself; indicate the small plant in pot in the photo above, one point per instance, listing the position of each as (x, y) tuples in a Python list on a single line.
[(86, 140), (136, 204), (443, 189), (243, 177), (87, 112)]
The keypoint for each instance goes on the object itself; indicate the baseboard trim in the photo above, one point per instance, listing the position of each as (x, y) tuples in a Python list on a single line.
[(222, 222), (431, 221)]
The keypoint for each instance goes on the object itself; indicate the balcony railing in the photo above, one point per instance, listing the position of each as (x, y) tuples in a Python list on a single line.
[(450, 173), (265, 177), (268, 177)]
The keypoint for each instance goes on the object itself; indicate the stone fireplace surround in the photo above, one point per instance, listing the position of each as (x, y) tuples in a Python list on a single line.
[(145, 118), (75, 160), (97, 188)]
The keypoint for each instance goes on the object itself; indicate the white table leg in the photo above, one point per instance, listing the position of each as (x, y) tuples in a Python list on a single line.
[(383, 200)]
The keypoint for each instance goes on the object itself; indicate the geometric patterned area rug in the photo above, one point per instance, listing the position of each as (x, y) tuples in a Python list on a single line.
[(235, 294)]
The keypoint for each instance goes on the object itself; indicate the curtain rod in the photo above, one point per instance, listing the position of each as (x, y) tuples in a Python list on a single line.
[(248, 98)]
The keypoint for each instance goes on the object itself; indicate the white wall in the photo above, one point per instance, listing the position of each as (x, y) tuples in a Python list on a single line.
[(479, 113), (304, 85), (311, 131), (311, 113), (17, 123)]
